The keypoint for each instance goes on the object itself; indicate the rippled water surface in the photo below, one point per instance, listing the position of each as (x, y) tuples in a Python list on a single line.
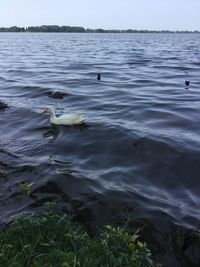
[(140, 147)]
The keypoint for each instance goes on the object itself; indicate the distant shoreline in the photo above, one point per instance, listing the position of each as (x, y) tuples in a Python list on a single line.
[(75, 29)]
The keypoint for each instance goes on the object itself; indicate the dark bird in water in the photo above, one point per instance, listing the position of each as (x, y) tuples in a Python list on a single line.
[(3, 105), (98, 76), (187, 83)]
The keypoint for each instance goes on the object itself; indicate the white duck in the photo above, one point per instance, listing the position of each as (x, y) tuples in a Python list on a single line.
[(66, 119)]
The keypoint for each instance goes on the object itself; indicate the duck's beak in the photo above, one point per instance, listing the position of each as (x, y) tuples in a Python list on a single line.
[(44, 111)]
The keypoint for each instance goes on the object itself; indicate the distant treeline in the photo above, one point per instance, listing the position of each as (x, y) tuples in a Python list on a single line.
[(56, 28)]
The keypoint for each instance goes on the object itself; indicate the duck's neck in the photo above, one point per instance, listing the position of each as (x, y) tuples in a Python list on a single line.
[(52, 115)]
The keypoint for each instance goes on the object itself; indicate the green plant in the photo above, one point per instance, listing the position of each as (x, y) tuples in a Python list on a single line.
[(25, 188), (51, 240)]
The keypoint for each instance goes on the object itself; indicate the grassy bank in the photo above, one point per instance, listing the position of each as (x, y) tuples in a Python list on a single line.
[(52, 240)]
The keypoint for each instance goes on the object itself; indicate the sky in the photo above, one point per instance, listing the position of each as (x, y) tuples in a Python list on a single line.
[(106, 14)]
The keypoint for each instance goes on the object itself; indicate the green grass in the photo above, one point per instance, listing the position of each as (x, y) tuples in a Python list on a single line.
[(51, 240)]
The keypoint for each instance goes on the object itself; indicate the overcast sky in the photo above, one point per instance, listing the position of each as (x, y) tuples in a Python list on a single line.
[(107, 14)]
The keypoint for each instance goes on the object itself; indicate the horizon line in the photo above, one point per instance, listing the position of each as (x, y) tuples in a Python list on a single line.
[(85, 29)]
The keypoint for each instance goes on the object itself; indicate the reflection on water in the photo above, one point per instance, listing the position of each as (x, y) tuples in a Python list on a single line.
[(139, 148), (53, 132)]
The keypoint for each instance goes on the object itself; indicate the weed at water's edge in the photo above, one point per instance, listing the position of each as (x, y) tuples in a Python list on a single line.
[(52, 240)]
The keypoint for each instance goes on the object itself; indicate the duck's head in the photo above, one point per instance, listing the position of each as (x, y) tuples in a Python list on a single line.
[(49, 110)]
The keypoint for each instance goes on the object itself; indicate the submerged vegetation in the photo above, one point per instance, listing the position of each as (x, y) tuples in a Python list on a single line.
[(56, 28), (53, 240), (25, 188)]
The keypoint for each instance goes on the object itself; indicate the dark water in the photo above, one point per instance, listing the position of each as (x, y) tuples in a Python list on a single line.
[(141, 148)]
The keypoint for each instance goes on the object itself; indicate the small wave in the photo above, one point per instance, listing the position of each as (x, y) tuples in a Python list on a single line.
[(57, 95)]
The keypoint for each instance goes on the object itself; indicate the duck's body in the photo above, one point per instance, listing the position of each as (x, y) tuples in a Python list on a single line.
[(66, 119)]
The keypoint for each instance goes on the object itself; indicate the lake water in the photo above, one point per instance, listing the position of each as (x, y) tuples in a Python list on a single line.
[(140, 149)]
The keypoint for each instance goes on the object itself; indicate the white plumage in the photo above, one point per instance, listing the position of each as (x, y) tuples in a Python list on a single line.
[(65, 119)]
